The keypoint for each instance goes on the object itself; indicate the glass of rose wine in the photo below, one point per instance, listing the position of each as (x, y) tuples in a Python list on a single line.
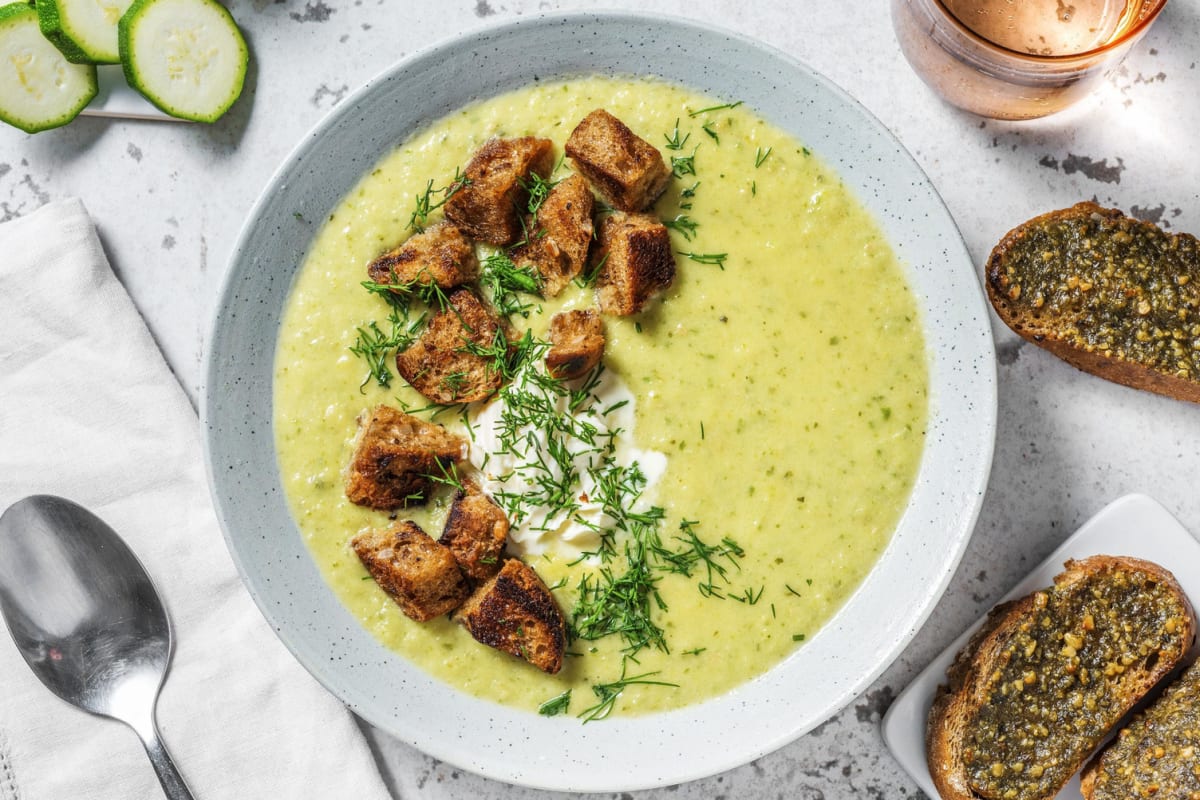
[(1018, 59)]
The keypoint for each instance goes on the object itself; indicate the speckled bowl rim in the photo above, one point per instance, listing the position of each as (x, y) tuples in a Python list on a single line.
[(620, 754)]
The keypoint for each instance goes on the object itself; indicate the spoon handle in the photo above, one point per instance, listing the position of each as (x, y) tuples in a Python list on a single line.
[(168, 774)]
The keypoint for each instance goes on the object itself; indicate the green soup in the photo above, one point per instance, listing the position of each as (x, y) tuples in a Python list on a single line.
[(786, 385)]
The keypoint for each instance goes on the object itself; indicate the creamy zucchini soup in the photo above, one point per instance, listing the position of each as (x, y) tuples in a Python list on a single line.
[(699, 503)]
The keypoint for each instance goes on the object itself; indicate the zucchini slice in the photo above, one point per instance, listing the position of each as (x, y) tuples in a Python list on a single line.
[(186, 56), (39, 88), (84, 30)]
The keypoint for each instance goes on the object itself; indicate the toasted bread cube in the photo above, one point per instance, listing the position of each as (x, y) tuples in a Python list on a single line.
[(515, 612), (491, 202), (476, 532), (392, 457), (559, 235), (576, 343), (440, 254), (417, 572), (635, 261), (626, 170), (439, 364)]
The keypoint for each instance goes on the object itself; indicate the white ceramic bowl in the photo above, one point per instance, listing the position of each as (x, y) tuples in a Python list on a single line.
[(621, 753)]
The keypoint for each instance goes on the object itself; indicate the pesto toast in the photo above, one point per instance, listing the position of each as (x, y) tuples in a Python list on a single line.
[(1156, 755), (1043, 681), (1107, 293)]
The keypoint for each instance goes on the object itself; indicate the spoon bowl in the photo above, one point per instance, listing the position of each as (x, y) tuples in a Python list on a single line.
[(86, 618)]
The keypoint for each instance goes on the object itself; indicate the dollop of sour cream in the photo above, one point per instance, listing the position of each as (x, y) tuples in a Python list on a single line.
[(542, 461)]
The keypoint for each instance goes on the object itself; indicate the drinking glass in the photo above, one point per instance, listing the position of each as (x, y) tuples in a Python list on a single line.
[(1018, 59)]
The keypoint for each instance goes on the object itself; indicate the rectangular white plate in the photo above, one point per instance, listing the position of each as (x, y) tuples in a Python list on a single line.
[(1134, 525), (117, 99)]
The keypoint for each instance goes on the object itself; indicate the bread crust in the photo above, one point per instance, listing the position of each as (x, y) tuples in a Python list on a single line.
[(489, 204), (969, 678), (635, 260), (394, 454), (1157, 303), (626, 170), (440, 254), (558, 237), (440, 365), (516, 612), (418, 573)]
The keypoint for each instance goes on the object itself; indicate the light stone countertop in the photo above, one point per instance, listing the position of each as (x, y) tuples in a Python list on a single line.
[(169, 200)]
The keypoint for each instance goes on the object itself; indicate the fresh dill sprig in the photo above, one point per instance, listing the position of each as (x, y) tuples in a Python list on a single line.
[(684, 165), (374, 346), (708, 258), (684, 224), (714, 108), (434, 198), (674, 141), (608, 693), (587, 278), (711, 131), (556, 705), (760, 156), (504, 280)]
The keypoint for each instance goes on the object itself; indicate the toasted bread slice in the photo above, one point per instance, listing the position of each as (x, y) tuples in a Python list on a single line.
[(635, 261), (1158, 754), (439, 254), (558, 236), (626, 170), (476, 532), (515, 612), (489, 205), (1040, 685), (440, 364), (1109, 294), (576, 343), (417, 572), (393, 457)]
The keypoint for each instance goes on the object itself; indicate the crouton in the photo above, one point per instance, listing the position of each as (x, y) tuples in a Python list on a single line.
[(417, 572), (394, 455), (476, 532), (440, 365), (440, 254), (635, 262), (626, 170), (576, 343), (559, 235), (489, 205), (515, 612)]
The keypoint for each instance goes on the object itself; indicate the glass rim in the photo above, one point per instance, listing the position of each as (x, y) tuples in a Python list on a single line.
[(1147, 17)]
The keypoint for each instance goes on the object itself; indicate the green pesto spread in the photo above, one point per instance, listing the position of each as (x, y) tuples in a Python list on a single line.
[(1110, 285), (1158, 754), (1068, 667)]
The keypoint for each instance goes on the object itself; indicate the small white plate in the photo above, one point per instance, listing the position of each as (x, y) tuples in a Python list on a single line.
[(1134, 525)]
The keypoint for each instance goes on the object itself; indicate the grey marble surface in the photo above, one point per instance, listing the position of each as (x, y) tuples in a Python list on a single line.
[(169, 200)]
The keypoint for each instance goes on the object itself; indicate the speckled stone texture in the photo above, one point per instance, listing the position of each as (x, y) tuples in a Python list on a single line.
[(170, 198)]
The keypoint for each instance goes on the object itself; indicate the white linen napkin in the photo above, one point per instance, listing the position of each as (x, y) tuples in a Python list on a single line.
[(90, 411)]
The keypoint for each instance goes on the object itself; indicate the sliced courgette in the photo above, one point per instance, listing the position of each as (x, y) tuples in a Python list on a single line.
[(39, 88), (186, 56), (84, 30)]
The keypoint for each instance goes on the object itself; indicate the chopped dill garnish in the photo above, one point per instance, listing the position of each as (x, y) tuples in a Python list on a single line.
[(714, 108), (748, 596), (708, 128), (793, 591), (708, 258), (556, 705), (684, 224), (674, 142), (683, 165), (760, 156), (609, 692), (587, 278), (504, 280), (695, 651), (432, 199)]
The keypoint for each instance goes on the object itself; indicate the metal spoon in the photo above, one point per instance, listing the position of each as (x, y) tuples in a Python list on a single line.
[(86, 618)]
